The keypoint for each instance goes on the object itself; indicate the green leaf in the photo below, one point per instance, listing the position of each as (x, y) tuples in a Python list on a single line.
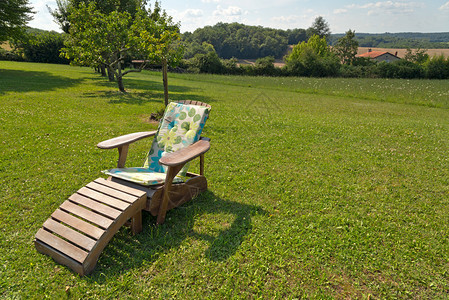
[(185, 126)]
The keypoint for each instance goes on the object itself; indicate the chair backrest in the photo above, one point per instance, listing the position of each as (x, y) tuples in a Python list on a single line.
[(181, 126)]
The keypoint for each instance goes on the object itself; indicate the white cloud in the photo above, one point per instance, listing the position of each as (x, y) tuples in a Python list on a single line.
[(286, 19), (340, 11), (445, 7), (383, 7), (210, 1), (193, 13), (230, 11)]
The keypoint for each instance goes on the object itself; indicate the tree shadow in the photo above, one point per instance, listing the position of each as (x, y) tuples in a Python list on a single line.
[(154, 93), (33, 81), (126, 251)]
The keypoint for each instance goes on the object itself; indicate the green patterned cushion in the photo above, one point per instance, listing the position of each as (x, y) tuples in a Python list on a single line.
[(141, 176), (180, 127)]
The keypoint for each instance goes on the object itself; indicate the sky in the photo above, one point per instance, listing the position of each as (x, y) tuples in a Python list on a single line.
[(341, 15)]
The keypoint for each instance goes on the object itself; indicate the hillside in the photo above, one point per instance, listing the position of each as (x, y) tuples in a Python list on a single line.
[(437, 40)]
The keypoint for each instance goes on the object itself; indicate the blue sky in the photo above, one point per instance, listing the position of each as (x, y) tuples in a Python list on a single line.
[(362, 16)]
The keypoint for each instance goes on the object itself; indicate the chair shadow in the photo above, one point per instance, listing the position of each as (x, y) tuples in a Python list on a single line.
[(33, 81), (126, 251)]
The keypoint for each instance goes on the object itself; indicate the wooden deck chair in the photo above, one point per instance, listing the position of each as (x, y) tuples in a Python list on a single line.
[(78, 231), (164, 175)]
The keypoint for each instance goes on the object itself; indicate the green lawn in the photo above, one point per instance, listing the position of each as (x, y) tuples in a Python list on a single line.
[(318, 188)]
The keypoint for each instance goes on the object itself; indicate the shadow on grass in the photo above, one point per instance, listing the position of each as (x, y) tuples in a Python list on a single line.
[(154, 92), (32, 81), (126, 252)]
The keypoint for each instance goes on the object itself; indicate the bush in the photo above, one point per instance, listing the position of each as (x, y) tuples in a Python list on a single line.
[(309, 63), (354, 71), (230, 67), (9, 55), (265, 66), (43, 47), (206, 63), (400, 69), (437, 68)]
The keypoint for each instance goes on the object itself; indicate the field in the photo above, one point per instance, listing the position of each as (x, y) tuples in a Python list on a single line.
[(318, 188), (401, 52)]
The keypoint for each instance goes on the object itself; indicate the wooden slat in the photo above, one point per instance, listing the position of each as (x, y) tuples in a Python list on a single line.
[(124, 139), (100, 197), (95, 206), (186, 154), (70, 234), (135, 191), (61, 245), (79, 224), (86, 214), (112, 192), (59, 257)]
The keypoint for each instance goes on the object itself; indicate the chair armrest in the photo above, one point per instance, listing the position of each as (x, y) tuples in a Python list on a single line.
[(184, 155), (125, 139)]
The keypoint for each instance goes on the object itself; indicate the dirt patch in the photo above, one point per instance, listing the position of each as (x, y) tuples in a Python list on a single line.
[(5, 46), (149, 119)]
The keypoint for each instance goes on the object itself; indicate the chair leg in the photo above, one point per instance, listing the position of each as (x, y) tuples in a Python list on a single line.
[(136, 223), (171, 173)]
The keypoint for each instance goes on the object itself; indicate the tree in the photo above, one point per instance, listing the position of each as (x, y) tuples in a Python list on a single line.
[(315, 44), (312, 58), (346, 48), (319, 27), (158, 39), (14, 14), (96, 38), (419, 56), (64, 8)]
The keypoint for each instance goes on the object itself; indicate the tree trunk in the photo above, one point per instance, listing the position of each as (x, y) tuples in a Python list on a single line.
[(121, 87), (111, 74), (119, 76), (165, 80), (103, 70)]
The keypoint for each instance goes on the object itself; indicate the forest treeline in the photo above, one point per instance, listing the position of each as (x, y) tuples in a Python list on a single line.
[(242, 41), (252, 42), (403, 40)]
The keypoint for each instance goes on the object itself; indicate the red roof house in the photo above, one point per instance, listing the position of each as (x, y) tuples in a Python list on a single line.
[(380, 56)]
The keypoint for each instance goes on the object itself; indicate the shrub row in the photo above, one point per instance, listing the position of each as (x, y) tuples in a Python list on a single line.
[(434, 68)]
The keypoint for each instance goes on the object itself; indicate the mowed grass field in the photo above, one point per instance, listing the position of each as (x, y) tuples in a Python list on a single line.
[(318, 188)]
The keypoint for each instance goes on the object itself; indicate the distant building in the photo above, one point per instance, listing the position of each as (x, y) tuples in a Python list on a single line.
[(380, 56)]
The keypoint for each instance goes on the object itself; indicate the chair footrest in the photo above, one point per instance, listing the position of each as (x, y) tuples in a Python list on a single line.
[(79, 230)]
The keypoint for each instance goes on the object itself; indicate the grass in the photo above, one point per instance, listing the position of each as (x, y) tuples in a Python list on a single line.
[(318, 188)]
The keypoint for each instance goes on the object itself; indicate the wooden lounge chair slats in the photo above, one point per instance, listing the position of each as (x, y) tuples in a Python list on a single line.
[(63, 246), (77, 232), (77, 223), (120, 187), (103, 198), (95, 206), (86, 214), (112, 192), (69, 234)]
